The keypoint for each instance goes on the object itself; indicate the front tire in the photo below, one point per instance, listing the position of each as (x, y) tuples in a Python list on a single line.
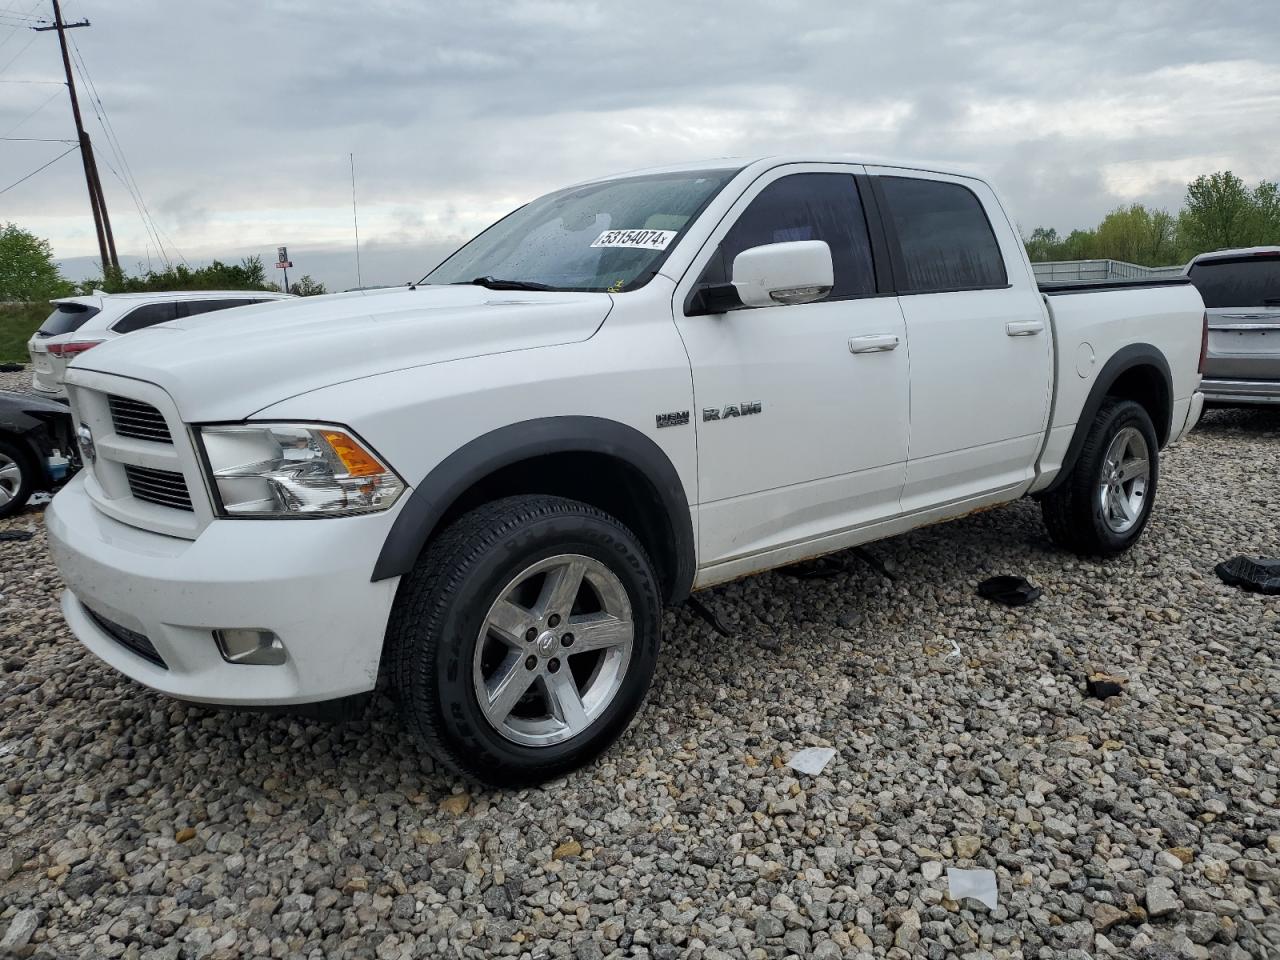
[(1104, 504), (525, 638), (17, 478)]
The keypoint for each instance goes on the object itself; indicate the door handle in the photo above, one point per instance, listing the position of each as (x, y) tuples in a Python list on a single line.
[(877, 343), (1024, 328)]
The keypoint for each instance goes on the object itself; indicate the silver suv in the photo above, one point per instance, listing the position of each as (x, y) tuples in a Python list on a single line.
[(80, 323), (1241, 292)]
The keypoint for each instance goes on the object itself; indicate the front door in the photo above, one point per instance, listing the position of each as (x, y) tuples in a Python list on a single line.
[(802, 416)]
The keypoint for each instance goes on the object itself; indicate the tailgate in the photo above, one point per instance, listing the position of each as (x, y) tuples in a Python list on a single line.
[(1244, 345)]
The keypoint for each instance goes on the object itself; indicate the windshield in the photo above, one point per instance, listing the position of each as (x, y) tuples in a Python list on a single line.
[(67, 318), (1247, 282), (610, 236)]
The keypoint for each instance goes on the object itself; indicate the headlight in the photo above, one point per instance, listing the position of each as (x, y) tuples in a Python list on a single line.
[(295, 470)]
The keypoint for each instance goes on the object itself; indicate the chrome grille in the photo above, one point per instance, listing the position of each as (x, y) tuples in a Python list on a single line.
[(164, 487), (141, 421)]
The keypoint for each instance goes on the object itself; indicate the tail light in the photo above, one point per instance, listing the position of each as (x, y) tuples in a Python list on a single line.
[(1204, 342), (69, 350)]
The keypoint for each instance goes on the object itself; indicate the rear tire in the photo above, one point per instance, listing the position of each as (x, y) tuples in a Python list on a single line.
[(1104, 503), (17, 477), (524, 640)]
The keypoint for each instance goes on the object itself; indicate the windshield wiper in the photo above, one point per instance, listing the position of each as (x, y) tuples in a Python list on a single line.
[(1272, 302), (493, 283)]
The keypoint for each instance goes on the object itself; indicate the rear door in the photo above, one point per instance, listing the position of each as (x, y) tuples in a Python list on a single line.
[(981, 347), (1242, 297)]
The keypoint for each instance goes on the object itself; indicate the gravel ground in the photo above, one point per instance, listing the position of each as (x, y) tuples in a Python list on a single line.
[(1144, 825)]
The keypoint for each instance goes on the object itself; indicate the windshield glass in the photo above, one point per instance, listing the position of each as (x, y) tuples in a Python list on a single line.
[(610, 236), (1247, 282), (67, 318)]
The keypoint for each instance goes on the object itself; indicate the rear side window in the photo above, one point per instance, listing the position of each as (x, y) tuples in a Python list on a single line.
[(191, 308), (944, 235), (67, 318), (805, 206), (147, 315), (1243, 282)]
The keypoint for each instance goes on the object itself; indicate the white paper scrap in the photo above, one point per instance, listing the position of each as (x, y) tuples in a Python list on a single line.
[(811, 760), (978, 884)]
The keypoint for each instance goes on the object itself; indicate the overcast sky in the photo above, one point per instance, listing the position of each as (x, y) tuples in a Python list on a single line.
[(237, 118)]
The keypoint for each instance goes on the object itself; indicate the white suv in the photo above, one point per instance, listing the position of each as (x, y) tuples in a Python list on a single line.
[(79, 323)]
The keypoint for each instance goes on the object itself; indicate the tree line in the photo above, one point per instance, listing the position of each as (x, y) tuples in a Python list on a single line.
[(28, 273), (1218, 212)]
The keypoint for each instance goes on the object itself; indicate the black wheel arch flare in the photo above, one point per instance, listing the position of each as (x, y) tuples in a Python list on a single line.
[(471, 463), (1127, 358)]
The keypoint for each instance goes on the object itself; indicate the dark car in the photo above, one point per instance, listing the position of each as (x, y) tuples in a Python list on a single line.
[(37, 448)]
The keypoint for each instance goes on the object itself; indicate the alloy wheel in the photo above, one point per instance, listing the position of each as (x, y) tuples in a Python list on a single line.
[(553, 650), (10, 479), (1126, 474)]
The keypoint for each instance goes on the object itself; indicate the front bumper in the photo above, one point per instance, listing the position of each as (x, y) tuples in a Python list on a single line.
[(1241, 391), (306, 580)]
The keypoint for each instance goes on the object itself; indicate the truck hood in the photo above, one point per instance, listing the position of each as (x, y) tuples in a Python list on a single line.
[(229, 364)]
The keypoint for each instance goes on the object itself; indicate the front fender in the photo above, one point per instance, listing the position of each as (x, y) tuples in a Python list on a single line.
[(481, 457)]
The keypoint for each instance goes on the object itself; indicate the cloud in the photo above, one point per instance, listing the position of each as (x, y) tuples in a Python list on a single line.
[(237, 121)]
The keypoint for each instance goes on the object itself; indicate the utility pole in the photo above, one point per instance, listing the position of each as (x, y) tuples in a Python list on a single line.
[(101, 222)]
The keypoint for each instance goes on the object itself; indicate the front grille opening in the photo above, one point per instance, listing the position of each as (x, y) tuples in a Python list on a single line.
[(141, 421), (130, 639), (163, 487)]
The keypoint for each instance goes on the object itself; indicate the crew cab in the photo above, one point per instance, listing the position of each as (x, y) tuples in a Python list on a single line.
[(481, 489)]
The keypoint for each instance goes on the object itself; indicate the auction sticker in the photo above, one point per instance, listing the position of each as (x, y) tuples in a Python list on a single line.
[(639, 239)]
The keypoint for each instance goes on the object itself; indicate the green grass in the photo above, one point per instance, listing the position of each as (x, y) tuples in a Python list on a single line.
[(17, 322)]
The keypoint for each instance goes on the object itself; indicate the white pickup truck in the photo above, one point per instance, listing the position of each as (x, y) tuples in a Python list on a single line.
[(482, 488)]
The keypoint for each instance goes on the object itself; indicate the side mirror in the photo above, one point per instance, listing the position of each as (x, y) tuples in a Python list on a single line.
[(797, 271)]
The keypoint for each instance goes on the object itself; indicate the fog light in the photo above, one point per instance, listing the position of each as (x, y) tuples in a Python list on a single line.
[(250, 646)]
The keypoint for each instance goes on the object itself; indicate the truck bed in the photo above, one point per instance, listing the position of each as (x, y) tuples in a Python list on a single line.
[(1087, 286)]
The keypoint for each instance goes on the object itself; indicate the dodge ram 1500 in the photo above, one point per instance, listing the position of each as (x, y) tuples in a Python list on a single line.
[(481, 488)]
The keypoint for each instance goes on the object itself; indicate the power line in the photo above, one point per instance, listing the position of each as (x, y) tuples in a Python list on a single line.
[(48, 100), (30, 10), (15, 57), (93, 182), (38, 169), (129, 182)]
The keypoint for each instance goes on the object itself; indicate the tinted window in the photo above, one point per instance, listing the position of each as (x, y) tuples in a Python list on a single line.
[(67, 318), (191, 308), (805, 206), (147, 315), (1247, 282), (944, 235)]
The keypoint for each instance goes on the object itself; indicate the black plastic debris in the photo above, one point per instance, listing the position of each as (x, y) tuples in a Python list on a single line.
[(15, 535), (708, 615), (1249, 573), (1104, 685), (10, 368), (1011, 591), (871, 560), (820, 568)]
